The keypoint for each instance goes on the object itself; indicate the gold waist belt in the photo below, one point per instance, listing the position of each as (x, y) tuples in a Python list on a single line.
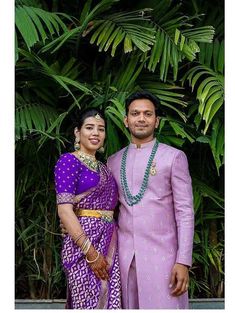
[(103, 214)]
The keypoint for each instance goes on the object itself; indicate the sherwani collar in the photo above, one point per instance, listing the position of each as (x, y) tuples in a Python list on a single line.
[(147, 145)]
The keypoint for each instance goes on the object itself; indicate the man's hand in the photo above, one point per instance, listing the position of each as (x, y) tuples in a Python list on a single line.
[(179, 279)]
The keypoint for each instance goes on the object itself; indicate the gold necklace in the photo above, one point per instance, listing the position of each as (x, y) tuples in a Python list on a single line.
[(88, 159)]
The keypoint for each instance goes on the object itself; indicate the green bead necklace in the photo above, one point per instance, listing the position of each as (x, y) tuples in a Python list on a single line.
[(129, 198)]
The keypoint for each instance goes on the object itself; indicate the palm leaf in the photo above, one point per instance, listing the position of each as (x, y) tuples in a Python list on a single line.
[(209, 82), (32, 117), (59, 42), (212, 55), (87, 16), (207, 191), (116, 112), (131, 28), (175, 40), (180, 131), (63, 81), (210, 91), (168, 94), (53, 131), (175, 132), (35, 24), (170, 47), (217, 142), (128, 73)]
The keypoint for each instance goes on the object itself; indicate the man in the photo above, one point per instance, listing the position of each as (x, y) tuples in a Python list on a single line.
[(156, 220)]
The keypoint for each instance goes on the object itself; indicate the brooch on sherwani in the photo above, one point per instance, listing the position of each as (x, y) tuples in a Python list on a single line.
[(153, 170)]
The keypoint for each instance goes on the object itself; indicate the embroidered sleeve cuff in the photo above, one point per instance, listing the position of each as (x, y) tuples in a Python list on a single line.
[(64, 197)]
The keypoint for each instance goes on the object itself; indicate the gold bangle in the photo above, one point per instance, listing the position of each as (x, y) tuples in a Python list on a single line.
[(87, 248), (78, 237), (84, 244), (92, 261)]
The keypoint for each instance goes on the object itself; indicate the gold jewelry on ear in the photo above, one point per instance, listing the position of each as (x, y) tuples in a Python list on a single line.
[(101, 150), (77, 144)]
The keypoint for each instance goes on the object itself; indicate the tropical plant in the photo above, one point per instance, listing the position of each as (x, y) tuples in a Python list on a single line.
[(73, 55)]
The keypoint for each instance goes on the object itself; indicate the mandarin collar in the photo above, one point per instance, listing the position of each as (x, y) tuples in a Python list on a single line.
[(146, 145)]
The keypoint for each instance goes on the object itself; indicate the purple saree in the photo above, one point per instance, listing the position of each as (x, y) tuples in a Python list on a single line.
[(90, 190)]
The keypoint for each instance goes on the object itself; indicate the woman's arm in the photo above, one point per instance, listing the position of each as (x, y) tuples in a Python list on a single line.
[(74, 229)]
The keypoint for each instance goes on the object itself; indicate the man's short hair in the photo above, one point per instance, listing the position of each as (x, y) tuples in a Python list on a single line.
[(144, 94)]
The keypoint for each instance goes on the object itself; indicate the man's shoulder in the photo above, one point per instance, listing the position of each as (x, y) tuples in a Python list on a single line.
[(116, 155), (165, 148)]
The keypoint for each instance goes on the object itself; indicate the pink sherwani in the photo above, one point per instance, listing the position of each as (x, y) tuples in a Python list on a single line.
[(159, 229)]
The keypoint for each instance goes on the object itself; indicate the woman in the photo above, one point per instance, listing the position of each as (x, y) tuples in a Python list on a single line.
[(86, 197)]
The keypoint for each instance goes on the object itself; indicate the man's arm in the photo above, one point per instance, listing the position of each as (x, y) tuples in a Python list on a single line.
[(183, 207), (184, 216)]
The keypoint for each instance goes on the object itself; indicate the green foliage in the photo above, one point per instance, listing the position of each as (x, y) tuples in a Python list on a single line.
[(176, 39), (74, 55), (208, 82), (210, 91), (32, 117), (130, 28), (36, 25)]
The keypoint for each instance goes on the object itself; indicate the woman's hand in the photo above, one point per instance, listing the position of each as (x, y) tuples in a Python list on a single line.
[(100, 266)]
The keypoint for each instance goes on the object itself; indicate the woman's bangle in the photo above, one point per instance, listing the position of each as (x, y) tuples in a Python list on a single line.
[(93, 261), (78, 237), (85, 244), (87, 248)]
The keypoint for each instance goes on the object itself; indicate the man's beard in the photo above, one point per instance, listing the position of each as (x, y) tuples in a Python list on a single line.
[(142, 135)]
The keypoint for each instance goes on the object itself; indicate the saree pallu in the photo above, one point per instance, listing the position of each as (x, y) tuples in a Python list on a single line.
[(84, 289)]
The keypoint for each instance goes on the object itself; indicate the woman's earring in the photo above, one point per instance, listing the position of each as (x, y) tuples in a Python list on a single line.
[(101, 150), (76, 144)]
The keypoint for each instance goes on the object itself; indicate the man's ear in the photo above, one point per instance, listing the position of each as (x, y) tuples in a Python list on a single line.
[(125, 121), (157, 122)]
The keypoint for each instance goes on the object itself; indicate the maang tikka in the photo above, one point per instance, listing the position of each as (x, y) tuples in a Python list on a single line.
[(97, 116)]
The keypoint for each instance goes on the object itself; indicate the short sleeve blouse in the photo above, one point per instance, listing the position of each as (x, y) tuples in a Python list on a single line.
[(66, 176)]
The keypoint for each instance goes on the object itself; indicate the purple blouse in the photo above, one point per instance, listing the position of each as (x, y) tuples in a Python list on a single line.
[(72, 177)]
